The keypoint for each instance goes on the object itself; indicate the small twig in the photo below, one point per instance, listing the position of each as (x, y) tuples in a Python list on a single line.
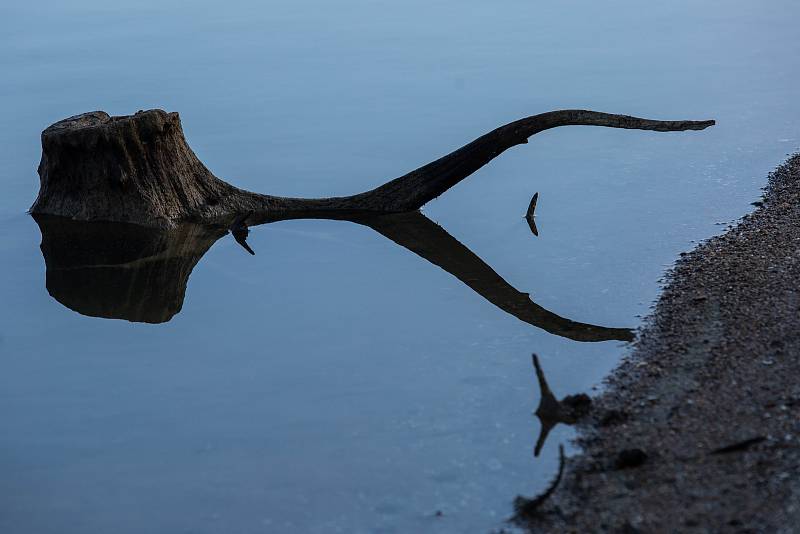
[(530, 216), (739, 446), (531, 213)]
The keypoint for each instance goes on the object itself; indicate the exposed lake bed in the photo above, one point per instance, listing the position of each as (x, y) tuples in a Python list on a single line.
[(709, 394)]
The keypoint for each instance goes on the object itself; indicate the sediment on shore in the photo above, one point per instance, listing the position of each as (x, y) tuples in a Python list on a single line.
[(710, 394)]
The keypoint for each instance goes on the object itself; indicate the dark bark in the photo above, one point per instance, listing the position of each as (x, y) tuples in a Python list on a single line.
[(139, 169)]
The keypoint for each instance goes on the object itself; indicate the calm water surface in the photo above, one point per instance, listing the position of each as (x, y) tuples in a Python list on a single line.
[(337, 381)]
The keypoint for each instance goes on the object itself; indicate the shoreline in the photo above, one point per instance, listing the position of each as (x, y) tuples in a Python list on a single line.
[(710, 394)]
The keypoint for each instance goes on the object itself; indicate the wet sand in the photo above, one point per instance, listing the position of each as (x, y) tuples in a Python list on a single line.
[(716, 366)]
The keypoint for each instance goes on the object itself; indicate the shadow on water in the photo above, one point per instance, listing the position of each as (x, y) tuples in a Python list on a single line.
[(124, 271)]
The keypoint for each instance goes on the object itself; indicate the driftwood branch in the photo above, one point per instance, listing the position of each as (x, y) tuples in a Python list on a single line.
[(140, 169), (415, 189)]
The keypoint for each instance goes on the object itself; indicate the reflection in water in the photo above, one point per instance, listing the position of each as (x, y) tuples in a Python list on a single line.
[(525, 509), (240, 231), (118, 270), (427, 239), (551, 411), (123, 271), (532, 225), (530, 215)]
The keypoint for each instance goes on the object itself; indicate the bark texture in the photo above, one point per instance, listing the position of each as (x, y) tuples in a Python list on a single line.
[(136, 169), (140, 169)]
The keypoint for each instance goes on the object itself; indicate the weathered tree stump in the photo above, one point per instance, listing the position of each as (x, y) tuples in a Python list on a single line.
[(136, 169), (140, 169)]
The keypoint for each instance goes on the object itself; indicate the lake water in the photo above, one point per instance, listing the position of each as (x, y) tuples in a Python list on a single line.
[(336, 381)]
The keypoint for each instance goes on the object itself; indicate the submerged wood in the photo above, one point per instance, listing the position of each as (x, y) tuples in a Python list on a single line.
[(139, 169)]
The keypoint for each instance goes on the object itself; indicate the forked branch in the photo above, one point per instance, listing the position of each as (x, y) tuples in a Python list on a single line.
[(415, 189), (139, 169)]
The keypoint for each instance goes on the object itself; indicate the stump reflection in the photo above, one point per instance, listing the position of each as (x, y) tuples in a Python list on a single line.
[(137, 273), (119, 270)]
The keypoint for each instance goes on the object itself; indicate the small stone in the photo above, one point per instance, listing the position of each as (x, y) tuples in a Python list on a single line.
[(629, 458), (613, 417)]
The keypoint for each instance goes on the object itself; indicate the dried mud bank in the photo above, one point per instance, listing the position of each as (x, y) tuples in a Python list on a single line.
[(710, 394)]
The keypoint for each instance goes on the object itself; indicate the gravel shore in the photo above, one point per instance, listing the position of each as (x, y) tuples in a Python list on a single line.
[(710, 395)]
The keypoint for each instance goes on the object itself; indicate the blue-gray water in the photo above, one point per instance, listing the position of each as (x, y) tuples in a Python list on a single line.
[(336, 382)]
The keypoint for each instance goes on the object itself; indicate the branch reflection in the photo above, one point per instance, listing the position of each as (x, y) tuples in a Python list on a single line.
[(123, 271)]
